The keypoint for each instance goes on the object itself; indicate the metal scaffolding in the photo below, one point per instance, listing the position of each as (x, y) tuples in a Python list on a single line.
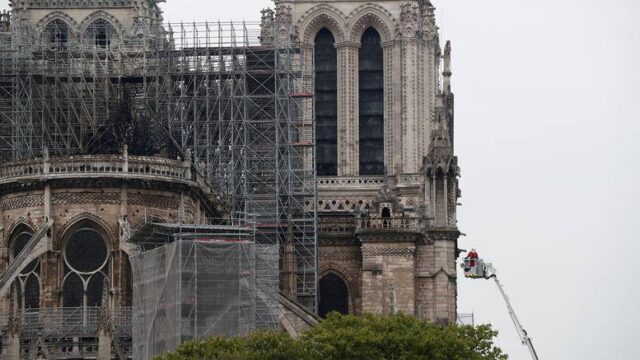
[(212, 92), (189, 290)]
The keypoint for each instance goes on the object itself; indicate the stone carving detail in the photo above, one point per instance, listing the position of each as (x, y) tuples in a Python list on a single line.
[(58, 15), (429, 27), (283, 23), (340, 255), (154, 201), (318, 17), (34, 4), (359, 181), (388, 251), (101, 15), (267, 27), (110, 228), (22, 202), (409, 26), (349, 205), (371, 15), (110, 198)]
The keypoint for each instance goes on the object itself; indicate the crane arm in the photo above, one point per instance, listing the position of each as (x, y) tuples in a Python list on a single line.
[(524, 337)]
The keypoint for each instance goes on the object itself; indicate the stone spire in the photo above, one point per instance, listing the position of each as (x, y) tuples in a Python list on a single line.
[(267, 27)]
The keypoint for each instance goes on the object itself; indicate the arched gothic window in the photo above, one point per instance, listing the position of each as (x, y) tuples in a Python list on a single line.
[(86, 258), (28, 279), (100, 34), (56, 34), (334, 295), (326, 106), (371, 94)]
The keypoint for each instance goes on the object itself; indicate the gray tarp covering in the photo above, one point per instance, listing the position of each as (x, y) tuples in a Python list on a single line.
[(192, 289)]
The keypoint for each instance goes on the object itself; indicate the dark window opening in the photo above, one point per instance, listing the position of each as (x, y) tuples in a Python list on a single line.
[(371, 94), (72, 292), (326, 103), (95, 290), (86, 251), (32, 293), (334, 296), (58, 32), (100, 33), (19, 243)]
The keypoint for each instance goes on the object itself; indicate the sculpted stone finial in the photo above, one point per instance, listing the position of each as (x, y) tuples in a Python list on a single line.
[(267, 27), (447, 58)]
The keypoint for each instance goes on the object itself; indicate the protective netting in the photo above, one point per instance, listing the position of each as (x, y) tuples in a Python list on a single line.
[(192, 289)]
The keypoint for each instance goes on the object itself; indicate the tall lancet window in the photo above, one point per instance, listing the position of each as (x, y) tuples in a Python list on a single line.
[(326, 107), (371, 104)]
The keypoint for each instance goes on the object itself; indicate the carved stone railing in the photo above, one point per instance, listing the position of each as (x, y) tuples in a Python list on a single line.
[(397, 223), (337, 227), (351, 181), (105, 165)]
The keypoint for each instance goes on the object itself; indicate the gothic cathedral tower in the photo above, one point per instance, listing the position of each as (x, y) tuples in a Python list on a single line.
[(387, 175)]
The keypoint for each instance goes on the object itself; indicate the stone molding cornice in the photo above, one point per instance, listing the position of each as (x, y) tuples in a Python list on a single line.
[(390, 236), (443, 234)]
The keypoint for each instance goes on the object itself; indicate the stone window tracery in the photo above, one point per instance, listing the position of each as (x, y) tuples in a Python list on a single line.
[(86, 262), (57, 33), (29, 279), (101, 34), (371, 103), (326, 106)]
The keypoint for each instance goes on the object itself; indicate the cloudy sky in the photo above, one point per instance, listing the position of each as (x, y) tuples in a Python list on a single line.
[(548, 113)]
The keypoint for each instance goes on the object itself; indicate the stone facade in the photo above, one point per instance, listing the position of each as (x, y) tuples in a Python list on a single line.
[(390, 238)]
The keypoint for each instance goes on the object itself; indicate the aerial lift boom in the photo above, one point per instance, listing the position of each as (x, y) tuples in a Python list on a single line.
[(480, 270)]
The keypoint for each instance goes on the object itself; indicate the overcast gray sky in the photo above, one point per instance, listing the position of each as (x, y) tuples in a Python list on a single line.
[(547, 112)]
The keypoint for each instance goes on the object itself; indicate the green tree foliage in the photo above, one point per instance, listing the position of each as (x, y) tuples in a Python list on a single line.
[(354, 337)]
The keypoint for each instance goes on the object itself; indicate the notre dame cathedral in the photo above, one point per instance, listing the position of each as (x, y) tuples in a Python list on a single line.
[(111, 120)]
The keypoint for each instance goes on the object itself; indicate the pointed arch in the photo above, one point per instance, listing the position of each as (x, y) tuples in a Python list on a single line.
[(100, 14), (95, 288), (31, 292), (82, 220), (56, 34), (326, 103), (334, 294), (371, 16), (57, 15), (371, 103), (72, 291), (319, 17), (100, 29)]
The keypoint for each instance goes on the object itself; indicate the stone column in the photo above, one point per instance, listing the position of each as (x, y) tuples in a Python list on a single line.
[(444, 275), (392, 116), (410, 106), (50, 279), (424, 281), (348, 109)]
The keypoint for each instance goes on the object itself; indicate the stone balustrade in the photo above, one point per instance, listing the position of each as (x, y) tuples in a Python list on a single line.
[(395, 223), (102, 165), (354, 181)]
